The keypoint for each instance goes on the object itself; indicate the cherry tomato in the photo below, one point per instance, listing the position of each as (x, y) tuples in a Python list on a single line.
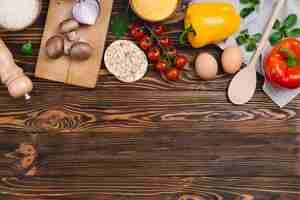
[(146, 43), (153, 54), (173, 74), (137, 32), (161, 65), (180, 61), (158, 29), (171, 52), (164, 42)]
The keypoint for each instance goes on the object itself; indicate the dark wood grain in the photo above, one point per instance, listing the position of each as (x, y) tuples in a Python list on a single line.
[(57, 110), (159, 154), (149, 140), (171, 188)]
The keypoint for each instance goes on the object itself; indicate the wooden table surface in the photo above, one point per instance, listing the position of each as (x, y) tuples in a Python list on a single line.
[(148, 140)]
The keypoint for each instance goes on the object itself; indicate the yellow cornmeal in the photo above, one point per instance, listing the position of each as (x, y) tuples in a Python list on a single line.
[(154, 10)]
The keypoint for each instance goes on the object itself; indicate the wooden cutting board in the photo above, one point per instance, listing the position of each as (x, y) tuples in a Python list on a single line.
[(64, 69)]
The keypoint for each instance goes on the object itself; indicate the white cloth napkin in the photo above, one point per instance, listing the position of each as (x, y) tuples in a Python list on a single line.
[(256, 24)]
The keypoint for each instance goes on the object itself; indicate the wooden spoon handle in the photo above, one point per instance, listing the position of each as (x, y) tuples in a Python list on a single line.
[(267, 33)]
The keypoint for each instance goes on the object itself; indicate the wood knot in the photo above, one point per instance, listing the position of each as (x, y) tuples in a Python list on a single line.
[(27, 160), (52, 119), (58, 119), (26, 149)]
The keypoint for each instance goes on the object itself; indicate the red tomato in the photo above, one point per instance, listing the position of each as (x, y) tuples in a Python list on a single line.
[(161, 65), (158, 29), (137, 32), (282, 66), (164, 42), (146, 43), (180, 61), (173, 74), (153, 54)]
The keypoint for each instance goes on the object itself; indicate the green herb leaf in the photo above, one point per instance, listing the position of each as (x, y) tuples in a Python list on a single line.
[(250, 41), (119, 25), (251, 47), (283, 30), (247, 11), (240, 40), (243, 37), (27, 49), (245, 1), (290, 21), (275, 38), (257, 37), (294, 33), (255, 2)]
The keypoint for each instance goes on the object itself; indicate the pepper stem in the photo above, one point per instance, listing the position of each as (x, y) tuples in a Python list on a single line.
[(182, 37), (291, 60)]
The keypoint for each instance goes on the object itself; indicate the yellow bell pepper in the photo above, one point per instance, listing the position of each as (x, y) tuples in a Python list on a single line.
[(210, 22)]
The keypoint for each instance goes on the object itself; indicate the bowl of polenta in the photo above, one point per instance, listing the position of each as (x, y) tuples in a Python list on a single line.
[(154, 10)]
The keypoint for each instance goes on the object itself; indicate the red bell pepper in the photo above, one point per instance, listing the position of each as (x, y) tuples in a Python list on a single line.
[(282, 64)]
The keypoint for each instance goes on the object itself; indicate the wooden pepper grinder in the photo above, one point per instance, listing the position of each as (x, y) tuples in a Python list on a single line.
[(12, 76)]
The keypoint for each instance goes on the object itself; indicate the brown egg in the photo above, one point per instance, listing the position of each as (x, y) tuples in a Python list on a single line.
[(206, 66), (232, 59)]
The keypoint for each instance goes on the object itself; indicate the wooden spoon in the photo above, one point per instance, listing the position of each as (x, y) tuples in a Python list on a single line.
[(243, 85)]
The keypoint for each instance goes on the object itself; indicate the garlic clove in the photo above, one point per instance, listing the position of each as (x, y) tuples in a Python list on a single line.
[(94, 2), (86, 12)]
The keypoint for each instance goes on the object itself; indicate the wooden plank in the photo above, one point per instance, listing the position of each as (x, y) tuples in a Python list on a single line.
[(116, 111), (202, 188), (64, 69), (160, 154)]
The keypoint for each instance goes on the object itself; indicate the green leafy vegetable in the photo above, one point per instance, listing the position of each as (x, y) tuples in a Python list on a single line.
[(119, 25), (285, 29), (249, 41), (290, 21), (27, 49), (294, 33), (250, 7), (257, 37), (245, 12), (276, 37)]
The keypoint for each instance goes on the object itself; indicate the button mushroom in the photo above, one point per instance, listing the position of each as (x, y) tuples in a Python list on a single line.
[(68, 25), (81, 51), (55, 47)]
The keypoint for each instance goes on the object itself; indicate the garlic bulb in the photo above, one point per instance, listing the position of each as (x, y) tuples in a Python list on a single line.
[(86, 11)]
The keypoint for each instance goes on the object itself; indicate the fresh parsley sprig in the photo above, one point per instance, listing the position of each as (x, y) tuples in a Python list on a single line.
[(285, 29), (250, 7), (120, 23), (248, 40)]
